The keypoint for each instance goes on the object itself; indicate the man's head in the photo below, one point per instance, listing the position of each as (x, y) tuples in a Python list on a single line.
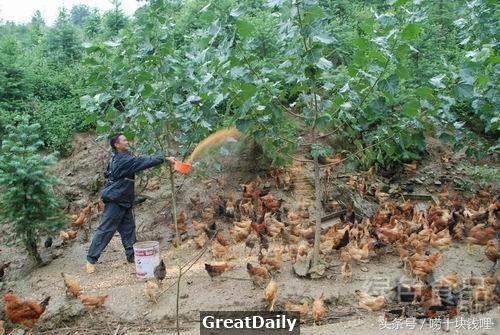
[(119, 142)]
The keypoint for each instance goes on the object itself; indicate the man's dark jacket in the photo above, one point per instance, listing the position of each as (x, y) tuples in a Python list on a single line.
[(121, 172)]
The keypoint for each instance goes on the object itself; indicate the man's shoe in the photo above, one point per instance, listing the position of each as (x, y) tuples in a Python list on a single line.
[(139, 200), (90, 268), (131, 259)]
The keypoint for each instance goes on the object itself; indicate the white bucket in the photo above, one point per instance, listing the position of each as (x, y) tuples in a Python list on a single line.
[(147, 257)]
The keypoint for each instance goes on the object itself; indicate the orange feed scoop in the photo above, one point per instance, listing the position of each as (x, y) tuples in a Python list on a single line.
[(182, 167)]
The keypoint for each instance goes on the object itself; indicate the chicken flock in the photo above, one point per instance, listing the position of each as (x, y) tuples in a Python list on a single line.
[(417, 235), (273, 231)]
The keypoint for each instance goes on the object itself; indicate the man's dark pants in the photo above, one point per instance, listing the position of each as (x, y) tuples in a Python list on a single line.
[(114, 217)]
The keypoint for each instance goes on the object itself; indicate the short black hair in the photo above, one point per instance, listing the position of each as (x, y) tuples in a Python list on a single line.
[(113, 139)]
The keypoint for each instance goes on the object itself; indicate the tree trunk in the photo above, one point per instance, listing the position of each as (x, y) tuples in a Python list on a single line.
[(30, 244), (317, 202), (174, 207)]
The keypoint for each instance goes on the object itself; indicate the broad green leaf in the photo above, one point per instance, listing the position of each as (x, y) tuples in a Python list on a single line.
[(411, 108), (324, 38), (425, 92), (89, 61), (437, 81), (102, 97), (397, 3), (367, 25), (402, 71), (323, 121), (464, 90), (147, 91), (245, 28), (411, 31), (149, 117), (247, 90), (387, 19), (390, 84), (274, 3), (91, 119), (112, 44), (324, 63), (243, 125)]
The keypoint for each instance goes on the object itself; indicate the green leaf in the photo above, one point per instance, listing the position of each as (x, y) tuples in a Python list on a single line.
[(90, 119), (411, 31), (411, 108), (464, 90), (323, 121), (112, 44), (89, 61), (245, 28), (324, 38), (274, 3), (425, 92), (390, 84), (402, 72), (324, 63), (247, 90), (397, 3), (243, 125), (437, 81), (147, 91)]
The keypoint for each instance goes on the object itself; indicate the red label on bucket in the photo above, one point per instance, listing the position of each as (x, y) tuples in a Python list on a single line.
[(145, 252)]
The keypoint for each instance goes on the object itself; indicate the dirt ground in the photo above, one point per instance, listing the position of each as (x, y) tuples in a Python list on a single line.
[(128, 311)]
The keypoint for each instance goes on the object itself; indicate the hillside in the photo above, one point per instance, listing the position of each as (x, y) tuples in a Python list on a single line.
[(128, 311)]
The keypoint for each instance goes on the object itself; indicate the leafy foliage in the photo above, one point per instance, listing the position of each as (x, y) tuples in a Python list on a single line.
[(379, 74)]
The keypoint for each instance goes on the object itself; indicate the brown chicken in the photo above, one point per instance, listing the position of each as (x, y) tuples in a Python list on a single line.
[(441, 240), (451, 280), (270, 294), (346, 265), (82, 217), (208, 214), (430, 301), (23, 312), (358, 254), (302, 309), (392, 232), (492, 251), (272, 262), (181, 222), (72, 285), (152, 291), (199, 241), (67, 235), (239, 234), (222, 238), (229, 206), (216, 269), (220, 252), (423, 265), (273, 205), (319, 309), (369, 302), (258, 274), (92, 302), (479, 234), (259, 226)]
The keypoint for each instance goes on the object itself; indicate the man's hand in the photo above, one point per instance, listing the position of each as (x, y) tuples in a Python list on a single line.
[(170, 159)]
